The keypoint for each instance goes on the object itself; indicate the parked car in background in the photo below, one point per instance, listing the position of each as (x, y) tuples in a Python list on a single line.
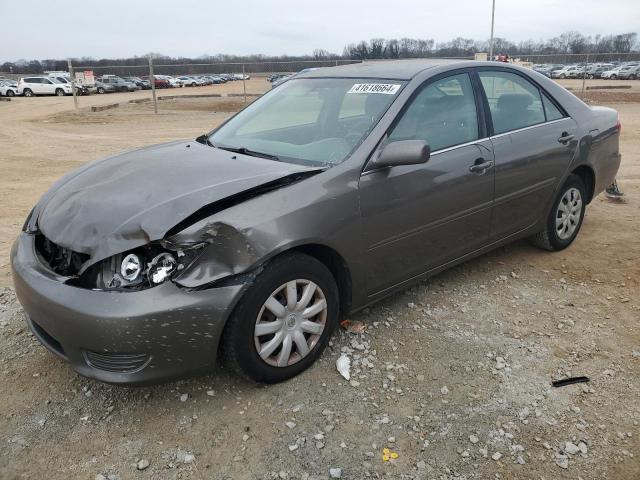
[(80, 89), (547, 69), (101, 88), (205, 80), (188, 81), (631, 73), (42, 85), (565, 72), (215, 79), (160, 82), (8, 88), (120, 84), (615, 73), (143, 84), (596, 70), (171, 81)]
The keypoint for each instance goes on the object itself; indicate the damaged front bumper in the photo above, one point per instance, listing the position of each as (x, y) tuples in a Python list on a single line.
[(135, 337)]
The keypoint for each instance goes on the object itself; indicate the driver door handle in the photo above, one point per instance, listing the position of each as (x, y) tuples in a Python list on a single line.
[(480, 166), (565, 138)]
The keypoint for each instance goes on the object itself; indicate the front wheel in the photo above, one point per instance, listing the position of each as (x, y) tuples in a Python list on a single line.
[(284, 321), (565, 217), (10, 93)]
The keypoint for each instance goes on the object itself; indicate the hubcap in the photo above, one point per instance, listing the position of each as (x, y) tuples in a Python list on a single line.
[(568, 213), (290, 323)]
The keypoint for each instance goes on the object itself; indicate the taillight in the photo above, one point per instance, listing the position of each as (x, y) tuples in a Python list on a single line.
[(618, 125)]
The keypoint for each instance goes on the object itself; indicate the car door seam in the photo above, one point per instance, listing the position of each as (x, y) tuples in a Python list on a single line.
[(524, 191), (429, 226)]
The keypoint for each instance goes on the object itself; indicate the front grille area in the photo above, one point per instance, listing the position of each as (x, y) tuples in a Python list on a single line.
[(61, 260), (117, 362)]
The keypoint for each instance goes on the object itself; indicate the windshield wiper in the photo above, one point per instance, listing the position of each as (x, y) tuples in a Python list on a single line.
[(251, 153)]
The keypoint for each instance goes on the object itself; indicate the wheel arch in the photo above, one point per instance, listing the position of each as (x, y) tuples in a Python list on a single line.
[(336, 265), (588, 177)]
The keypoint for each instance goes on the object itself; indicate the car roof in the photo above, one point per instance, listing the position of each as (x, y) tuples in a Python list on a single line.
[(392, 69)]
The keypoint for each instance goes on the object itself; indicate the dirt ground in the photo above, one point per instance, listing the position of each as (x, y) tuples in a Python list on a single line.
[(454, 375)]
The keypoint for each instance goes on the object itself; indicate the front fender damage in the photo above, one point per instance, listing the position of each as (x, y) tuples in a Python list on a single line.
[(227, 252)]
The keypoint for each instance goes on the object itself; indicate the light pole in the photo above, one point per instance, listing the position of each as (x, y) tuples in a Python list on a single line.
[(493, 13)]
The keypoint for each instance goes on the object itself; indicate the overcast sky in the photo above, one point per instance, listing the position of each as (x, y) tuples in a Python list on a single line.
[(40, 29)]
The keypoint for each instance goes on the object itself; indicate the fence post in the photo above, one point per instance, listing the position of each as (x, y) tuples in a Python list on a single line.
[(73, 85), (584, 73), (244, 84), (152, 81)]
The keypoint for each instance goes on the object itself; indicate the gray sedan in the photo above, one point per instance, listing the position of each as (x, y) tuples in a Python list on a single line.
[(329, 193)]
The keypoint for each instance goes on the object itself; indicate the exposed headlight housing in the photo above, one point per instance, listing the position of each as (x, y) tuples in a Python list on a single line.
[(131, 268), (139, 269)]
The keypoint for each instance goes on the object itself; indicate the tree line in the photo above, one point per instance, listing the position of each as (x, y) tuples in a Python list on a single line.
[(566, 43), (377, 48)]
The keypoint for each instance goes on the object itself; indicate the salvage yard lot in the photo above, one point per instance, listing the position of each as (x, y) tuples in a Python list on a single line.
[(453, 375)]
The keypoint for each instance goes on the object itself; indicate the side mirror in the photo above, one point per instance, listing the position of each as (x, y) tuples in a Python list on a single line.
[(403, 152)]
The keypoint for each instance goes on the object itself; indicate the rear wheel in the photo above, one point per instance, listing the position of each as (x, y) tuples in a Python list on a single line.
[(59, 92), (565, 217), (27, 92), (284, 320)]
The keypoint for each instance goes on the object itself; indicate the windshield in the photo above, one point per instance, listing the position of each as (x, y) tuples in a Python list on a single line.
[(316, 121)]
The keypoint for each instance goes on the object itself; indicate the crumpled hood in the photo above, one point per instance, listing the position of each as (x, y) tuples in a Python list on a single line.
[(126, 201)]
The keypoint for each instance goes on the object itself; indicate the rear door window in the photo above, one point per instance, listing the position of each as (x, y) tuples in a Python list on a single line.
[(551, 111), (514, 102)]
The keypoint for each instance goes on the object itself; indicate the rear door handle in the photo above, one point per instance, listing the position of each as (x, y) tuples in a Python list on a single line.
[(565, 138), (480, 166)]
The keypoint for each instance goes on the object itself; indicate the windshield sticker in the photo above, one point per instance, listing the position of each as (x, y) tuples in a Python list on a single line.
[(384, 88)]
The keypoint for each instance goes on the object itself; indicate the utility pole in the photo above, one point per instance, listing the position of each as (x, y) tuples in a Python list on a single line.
[(152, 81), (493, 13), (73, 84)]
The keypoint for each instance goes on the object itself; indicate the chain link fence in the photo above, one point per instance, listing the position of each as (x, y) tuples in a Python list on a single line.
[(587, 65)]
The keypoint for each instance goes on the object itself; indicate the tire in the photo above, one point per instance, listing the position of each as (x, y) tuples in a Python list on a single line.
[(239, 342), (613, 77), (100, 90), (563, 76), (554, 238), (27, 92), (10, 93), (59, 92)]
